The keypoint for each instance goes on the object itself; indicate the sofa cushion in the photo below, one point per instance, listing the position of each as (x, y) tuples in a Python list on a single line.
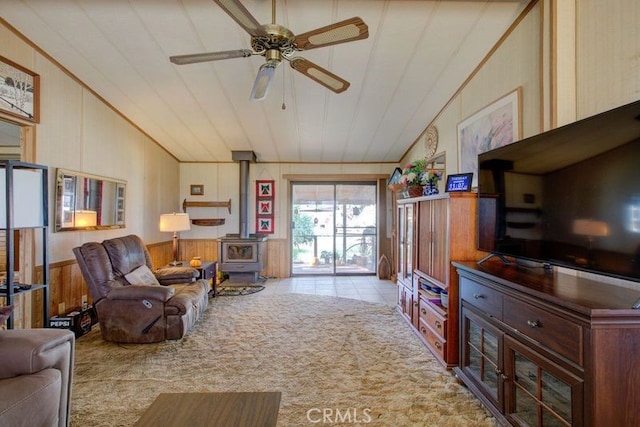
[(31, 400), (126, 254), (186, 296), (95, 265), (142, 276)]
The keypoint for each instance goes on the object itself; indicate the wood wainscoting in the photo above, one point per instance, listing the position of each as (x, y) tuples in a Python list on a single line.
[(67, 286)]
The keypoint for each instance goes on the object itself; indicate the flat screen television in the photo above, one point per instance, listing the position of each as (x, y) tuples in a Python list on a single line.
[(568, 197)]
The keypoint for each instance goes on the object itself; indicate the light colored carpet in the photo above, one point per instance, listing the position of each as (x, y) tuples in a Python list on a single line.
[(323, 353)]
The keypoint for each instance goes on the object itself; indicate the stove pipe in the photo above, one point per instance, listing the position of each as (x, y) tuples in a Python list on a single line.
[(244, 158)]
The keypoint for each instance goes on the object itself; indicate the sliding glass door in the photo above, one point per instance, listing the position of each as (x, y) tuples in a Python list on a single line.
[(334, 228)]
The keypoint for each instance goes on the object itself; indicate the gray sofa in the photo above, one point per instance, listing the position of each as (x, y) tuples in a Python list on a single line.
[(164, 306), (36, 375)]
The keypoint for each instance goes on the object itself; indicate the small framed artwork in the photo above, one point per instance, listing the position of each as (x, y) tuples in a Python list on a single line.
[(20, 89), (264, 225), (197, 190), (395, 177), (459, 182), (264, 189), (265, 207)]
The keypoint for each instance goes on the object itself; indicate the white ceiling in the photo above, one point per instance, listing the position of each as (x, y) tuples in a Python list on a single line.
[(417, 55)]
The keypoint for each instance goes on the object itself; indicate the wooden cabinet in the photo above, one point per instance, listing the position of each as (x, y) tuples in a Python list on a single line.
[(544, 348), (445, 230)]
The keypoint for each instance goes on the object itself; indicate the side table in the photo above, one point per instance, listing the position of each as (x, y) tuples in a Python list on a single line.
[(209, 271)]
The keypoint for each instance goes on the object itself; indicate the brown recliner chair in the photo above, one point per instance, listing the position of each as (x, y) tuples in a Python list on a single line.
[(35, 377), (159, 305)]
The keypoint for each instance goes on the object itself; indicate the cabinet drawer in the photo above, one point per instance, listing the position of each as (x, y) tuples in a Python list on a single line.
[(433, 319), (436, 343), (485, 299), (552, 331)]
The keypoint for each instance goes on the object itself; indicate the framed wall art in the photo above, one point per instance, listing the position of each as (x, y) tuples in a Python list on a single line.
[(264, 188), (197, 189), (265, 207), (19, 91), (265, 194), (494, 126), (265, 226)]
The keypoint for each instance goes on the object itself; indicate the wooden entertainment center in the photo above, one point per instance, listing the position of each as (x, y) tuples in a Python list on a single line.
[(432, 232), (545, 348), (536, 346)]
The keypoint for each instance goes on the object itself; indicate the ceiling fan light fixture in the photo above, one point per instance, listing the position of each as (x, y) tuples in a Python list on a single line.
[(263, 81)]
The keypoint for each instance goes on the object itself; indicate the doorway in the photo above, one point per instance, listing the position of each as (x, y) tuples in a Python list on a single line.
[(334, 228)]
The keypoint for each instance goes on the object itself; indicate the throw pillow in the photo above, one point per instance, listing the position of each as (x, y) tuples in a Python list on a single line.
[(5, 312), (142, 276)]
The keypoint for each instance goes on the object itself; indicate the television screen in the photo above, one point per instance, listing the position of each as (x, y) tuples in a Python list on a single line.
[(569, 196)]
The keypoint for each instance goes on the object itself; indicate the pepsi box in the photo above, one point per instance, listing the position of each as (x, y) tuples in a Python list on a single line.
[(79, 321)]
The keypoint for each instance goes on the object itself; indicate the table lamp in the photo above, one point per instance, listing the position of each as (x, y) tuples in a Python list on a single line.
[(86, 218), (175, 222)]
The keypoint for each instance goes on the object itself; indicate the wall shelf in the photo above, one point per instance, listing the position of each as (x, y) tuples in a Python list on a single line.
[(207, 222), (187, 204)]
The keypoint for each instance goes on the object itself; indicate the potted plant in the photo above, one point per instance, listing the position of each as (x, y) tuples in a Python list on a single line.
[(327, 257), (413, 177)]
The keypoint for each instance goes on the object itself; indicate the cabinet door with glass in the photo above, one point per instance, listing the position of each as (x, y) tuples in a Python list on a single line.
[(405, 302), (482, 356), (538, 392), (405, 243)]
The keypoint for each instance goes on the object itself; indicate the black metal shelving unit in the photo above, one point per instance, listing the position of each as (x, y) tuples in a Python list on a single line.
[(24, 205)]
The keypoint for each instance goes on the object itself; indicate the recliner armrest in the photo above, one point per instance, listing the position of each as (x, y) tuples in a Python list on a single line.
[(27, 351), (174, 275), (140, 292)]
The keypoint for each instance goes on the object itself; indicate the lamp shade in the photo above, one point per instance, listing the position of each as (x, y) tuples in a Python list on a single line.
[(590, 227), (175, 222), (86, 218), (27, 188)]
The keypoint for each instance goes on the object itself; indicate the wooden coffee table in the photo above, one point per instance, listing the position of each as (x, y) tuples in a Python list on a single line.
[(251, 409)]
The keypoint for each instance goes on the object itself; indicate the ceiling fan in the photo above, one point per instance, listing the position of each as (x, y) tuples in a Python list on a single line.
[(276, 43)]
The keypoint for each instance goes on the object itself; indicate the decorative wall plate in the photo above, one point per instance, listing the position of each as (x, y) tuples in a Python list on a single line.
[(430, 140)]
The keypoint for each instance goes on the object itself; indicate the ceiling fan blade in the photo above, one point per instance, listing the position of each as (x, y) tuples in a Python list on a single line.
[(320, 75), (210, 56), (241, 15), (340, 32)]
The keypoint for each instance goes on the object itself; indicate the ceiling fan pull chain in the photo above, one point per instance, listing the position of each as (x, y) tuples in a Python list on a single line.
[(284, 106)]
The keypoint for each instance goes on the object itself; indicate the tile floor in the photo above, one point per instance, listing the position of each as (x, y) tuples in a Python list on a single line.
[(366, 288)]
